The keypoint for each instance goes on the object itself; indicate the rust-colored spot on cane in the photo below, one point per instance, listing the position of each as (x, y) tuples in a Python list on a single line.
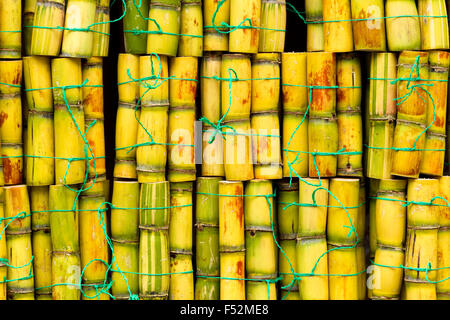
[(93, 102), (3, 117), (12, 171), (321, 97), (365, 36), (240, 268)]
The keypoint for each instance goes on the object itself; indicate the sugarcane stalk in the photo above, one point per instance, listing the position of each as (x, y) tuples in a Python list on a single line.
[(77, 38), (66, 268), (135, 41), (40, 170), (210, 90), (20, 284), (314, 29), (311, 239), (154, 251), (182, 118), (151, 159), (421, 240), (433, 161), (338, 35), (381, 113), (29, 8), (10, 29), (231, 240), (273, 26), (126, 124), (180, 240), (245, 40), (41, 242), (47, 33), (3, 249), (369, 33), (125, 238), (287, 225), (94, 116), (261, 251), (390, 236), (164, 27), (100, 45), (443, 286), (294, 99), (349, 115), (207, 239), (212, 39), (402, 15), (11, 123), (411, 114), (433, 24), (191, 41), (93, 244), (342, 259)]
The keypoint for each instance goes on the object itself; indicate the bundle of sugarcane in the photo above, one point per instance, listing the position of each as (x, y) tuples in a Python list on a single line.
[(3, 249), (70, 163), (180, 242), (349, 116), (421, 240), (287, 226), (342, 258), (154, 255), (322, 126), (212, 153), (260, 230), (390, 236), (29, 6), (93, 245), (125, 239), (164, 27), (92, 93), (152, 131), (311, 240), (412, 107), (47, 27), (314, 27), (127, 112), (273, 26), (266, 139), (236, 104), (337, 27), (10, 29), (231, 240), (369, 33), (245, 37), (42, 242), (78, 40), (295, 122), (381, 114), (135, 26), (20, 285), (433, 161), (40, 162), (433, 24), (212, 39), (11, 124), (64, 223), (100, 46), (207, 239), (191, 30), (183, 93), (443, 272), (402, 15)]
